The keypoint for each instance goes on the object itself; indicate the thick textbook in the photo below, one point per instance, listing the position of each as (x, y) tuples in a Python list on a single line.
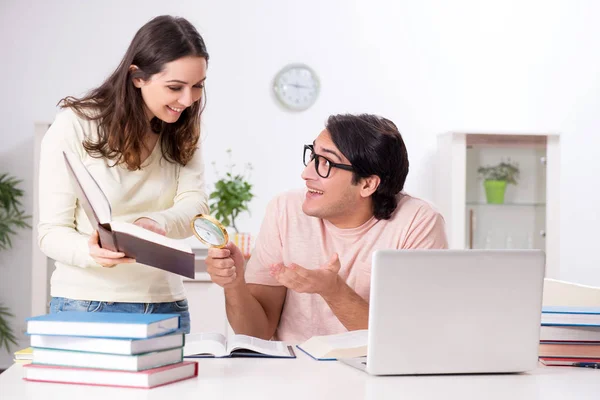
[(202, 345), (145, 246), (103, 324), (332, 347), (108, 345), (147, 379)]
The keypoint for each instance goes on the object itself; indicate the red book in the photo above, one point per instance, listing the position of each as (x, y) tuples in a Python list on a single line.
[(147, 379)]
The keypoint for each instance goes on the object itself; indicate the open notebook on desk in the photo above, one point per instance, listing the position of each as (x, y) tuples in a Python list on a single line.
[(145, 246), (201, 345)]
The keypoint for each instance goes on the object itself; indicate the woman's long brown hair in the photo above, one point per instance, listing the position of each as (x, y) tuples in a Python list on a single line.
[(118, 106)]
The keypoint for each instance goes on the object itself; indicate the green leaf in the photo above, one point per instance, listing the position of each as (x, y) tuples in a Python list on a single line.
[(7, 336), (231, 195), (11, 217)]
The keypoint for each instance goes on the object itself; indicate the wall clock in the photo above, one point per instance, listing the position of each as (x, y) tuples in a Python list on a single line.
[(296, 87)]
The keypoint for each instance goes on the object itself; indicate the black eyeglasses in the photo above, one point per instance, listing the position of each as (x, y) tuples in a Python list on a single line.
[(322, 164)]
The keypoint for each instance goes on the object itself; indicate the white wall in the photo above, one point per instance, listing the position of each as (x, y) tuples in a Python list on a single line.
[(430, 66)]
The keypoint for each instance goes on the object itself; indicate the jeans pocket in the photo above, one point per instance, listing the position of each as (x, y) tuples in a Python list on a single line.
[(95, 306), (79, 305), (180, 305), (56, 305)]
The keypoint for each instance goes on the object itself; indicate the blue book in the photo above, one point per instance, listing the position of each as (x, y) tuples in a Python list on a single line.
[(570, 316), (103, 324)]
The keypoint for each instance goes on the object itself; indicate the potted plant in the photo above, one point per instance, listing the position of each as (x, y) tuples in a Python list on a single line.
[(231, 195), (496, 177), (11, 217)]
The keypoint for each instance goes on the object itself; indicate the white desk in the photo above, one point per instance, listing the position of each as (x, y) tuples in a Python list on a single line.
[(306, 379)]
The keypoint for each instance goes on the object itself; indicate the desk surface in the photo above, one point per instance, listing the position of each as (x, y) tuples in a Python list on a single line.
[(307, 379)]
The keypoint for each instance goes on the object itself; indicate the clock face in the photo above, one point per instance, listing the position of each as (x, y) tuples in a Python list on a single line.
[(296, 86)]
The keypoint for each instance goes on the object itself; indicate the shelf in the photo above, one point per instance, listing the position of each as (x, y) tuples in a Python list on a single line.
[(482, 204)]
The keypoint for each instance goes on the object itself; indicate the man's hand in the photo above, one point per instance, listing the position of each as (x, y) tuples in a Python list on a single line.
[(324, 281), (226, 266), (151, 225), (105, 257)]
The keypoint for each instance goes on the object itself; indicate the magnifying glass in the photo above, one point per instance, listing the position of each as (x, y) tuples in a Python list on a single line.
[(209, 231)]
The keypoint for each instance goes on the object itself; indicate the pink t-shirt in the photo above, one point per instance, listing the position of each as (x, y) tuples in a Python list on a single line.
[(288, 235)]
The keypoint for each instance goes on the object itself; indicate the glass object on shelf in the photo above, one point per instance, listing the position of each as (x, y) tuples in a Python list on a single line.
[(488, 240), (508, 224), (509, 242)]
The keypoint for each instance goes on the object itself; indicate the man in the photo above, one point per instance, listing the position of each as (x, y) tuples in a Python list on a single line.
[(310, 271)]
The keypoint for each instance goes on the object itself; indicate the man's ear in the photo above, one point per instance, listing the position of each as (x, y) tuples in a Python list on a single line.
[(369, 185), (137, 82)]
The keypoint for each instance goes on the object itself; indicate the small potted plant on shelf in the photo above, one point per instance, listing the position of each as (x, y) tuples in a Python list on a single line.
[(231, 196), (496, 178), (11, 217)]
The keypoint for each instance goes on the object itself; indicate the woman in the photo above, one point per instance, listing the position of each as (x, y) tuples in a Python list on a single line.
[(137, 134)]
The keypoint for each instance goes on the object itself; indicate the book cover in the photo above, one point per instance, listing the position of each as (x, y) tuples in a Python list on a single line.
[(103, 324), (147, 379), (145, 246)]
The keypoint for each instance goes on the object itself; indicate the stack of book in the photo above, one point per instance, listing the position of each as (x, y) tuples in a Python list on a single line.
[(108, 349), (570, 336)]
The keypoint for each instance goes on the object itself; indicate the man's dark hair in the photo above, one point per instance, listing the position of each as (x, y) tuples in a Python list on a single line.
[(374, 146)]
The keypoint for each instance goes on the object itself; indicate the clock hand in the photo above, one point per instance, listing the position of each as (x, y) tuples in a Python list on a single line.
[(297, 86)]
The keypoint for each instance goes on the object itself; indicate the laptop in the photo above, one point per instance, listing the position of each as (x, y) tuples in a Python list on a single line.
[(453, 312)]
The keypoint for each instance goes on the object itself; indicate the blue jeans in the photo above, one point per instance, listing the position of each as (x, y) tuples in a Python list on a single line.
[(58, 304)]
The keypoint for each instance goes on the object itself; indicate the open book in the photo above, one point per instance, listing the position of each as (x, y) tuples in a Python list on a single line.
[(216, 345), (145, 246), (332, 347)]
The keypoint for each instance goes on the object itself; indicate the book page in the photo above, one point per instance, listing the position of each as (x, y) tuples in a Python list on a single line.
[(269, 347), (138, 231), (346, 340), (205, 343), (86, 186)]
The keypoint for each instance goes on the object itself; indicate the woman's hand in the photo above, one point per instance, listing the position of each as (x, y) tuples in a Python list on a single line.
[(105, 257), (151, 225)]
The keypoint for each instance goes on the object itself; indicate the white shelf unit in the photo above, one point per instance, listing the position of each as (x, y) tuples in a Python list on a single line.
[(530, 216), (206, 299)]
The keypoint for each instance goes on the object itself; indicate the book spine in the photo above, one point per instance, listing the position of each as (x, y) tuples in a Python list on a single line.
[(107, 238)]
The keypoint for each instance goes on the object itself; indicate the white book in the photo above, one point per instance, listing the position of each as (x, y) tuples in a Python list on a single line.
[(332, 347), (108, 345), (201, 345), (137, 362)]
